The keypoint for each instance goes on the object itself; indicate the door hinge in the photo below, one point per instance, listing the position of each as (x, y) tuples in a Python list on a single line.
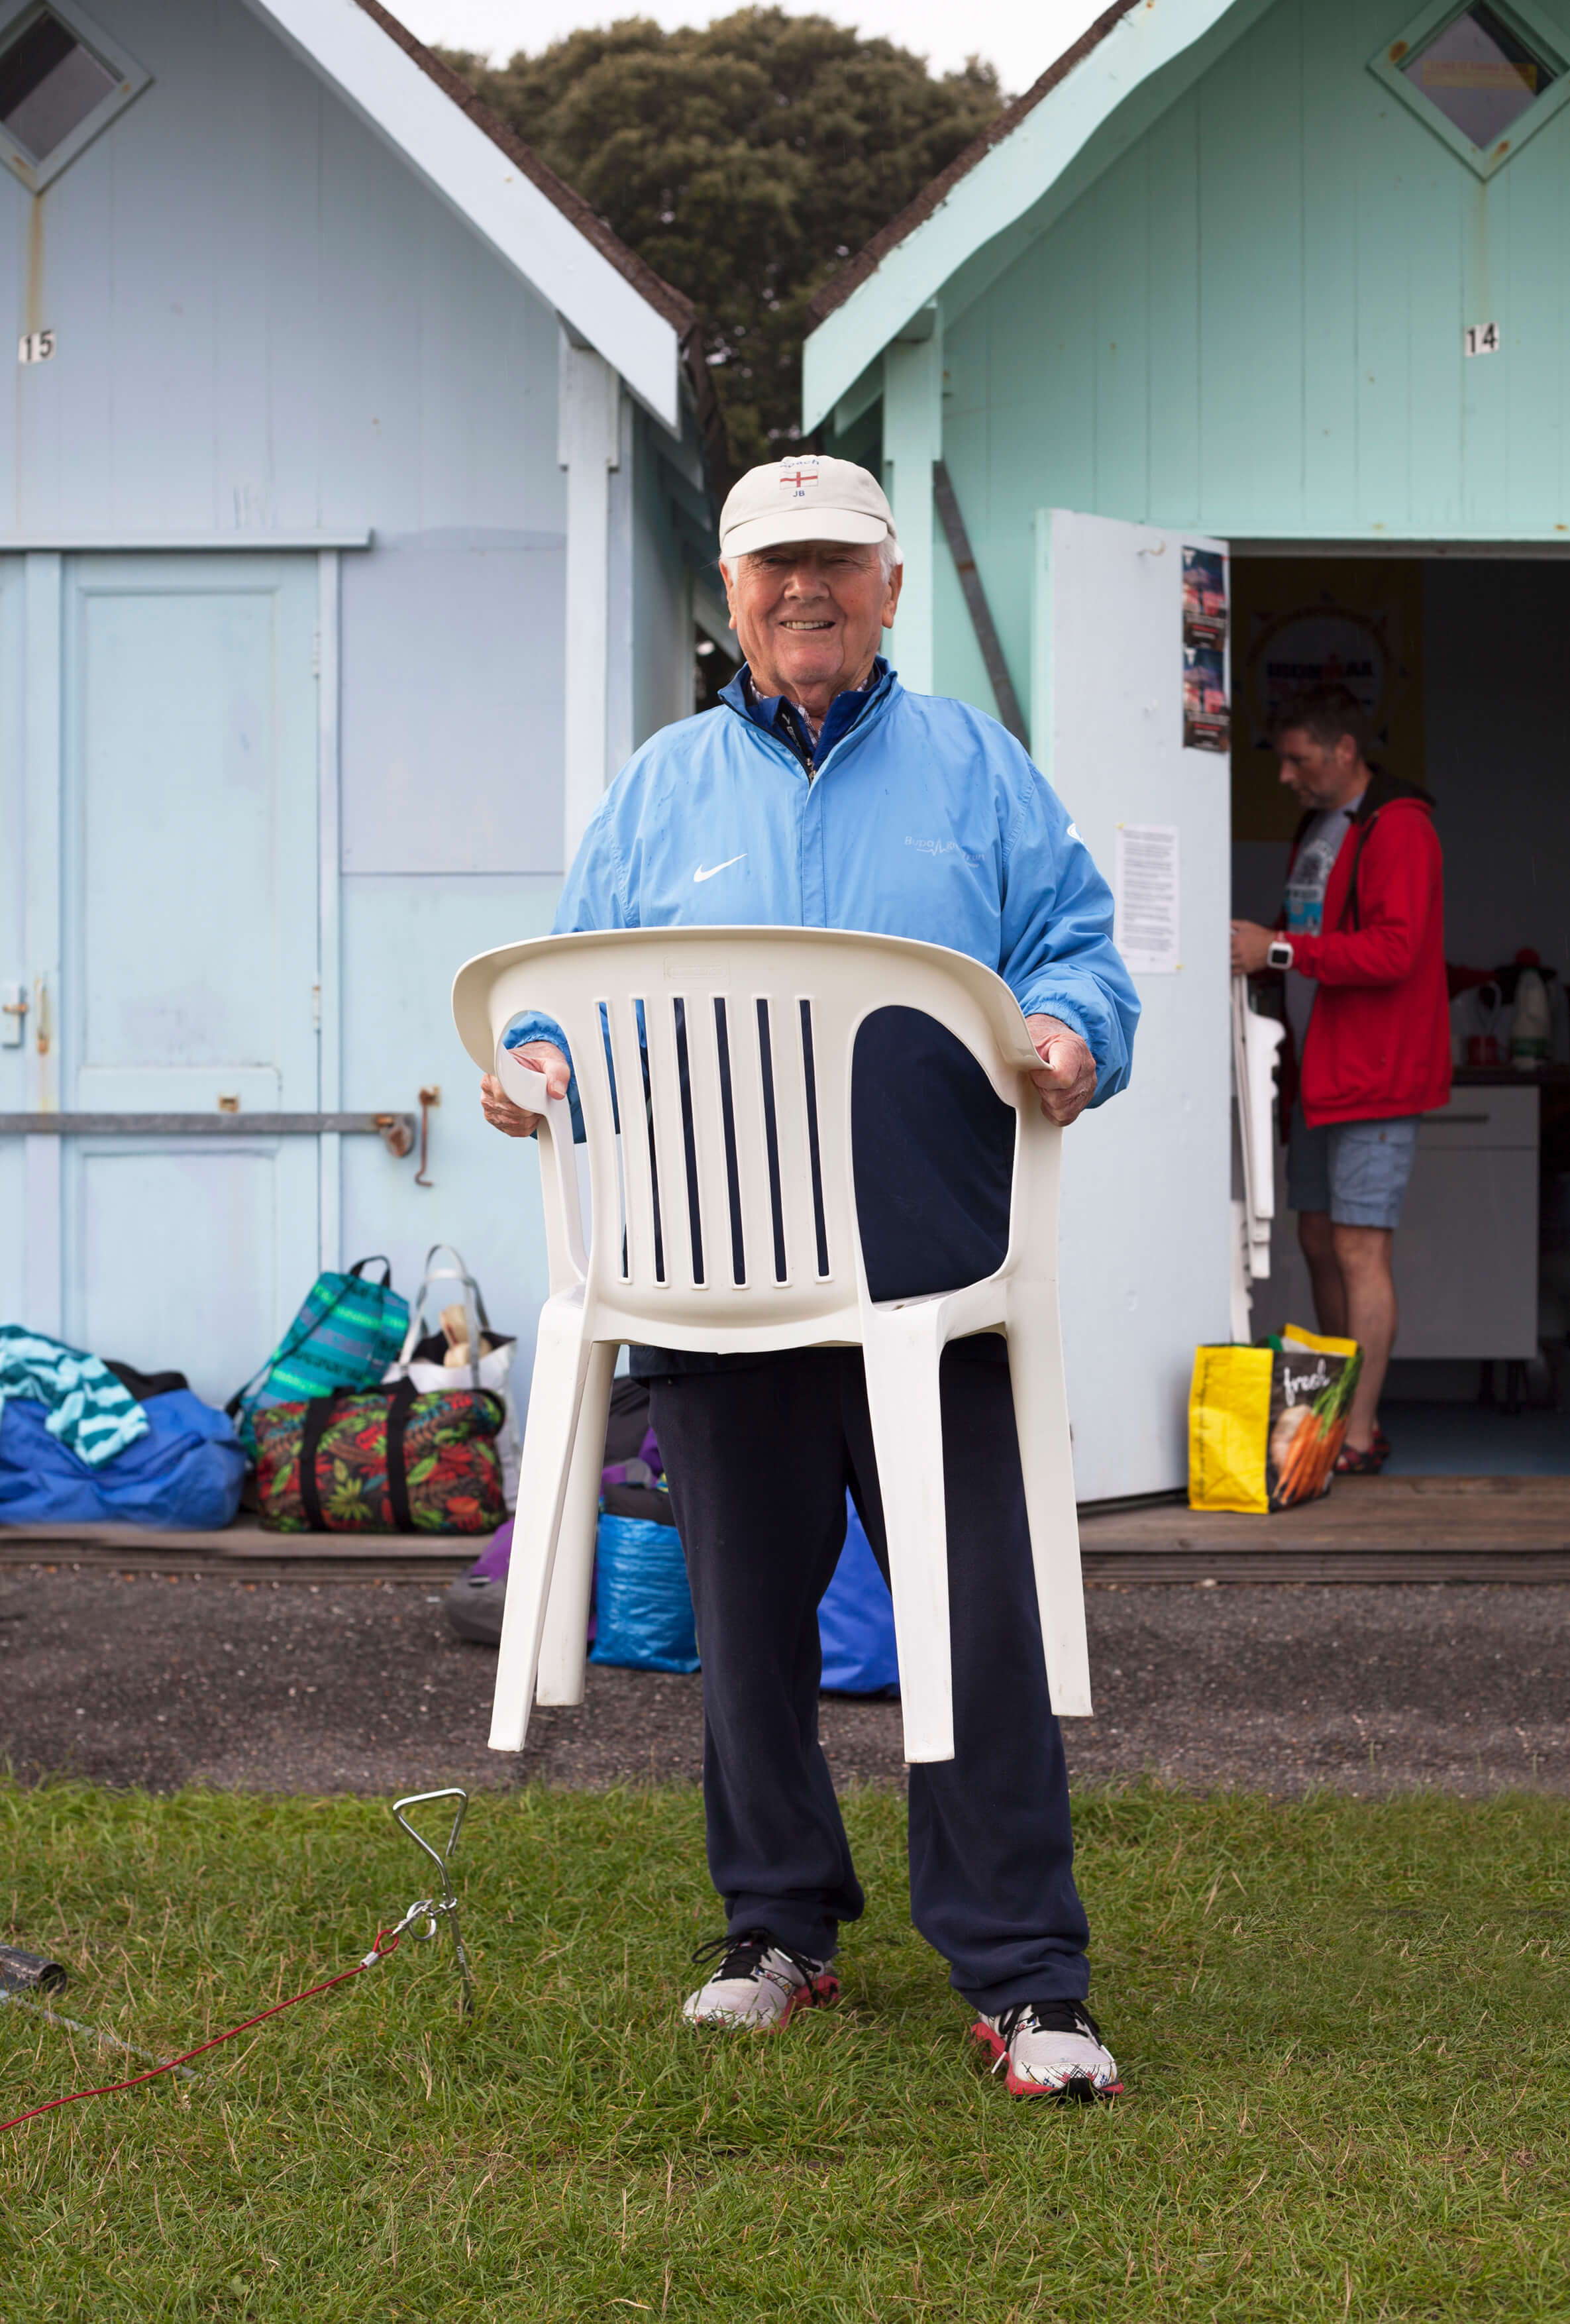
[(316, 653), (316, 1008)]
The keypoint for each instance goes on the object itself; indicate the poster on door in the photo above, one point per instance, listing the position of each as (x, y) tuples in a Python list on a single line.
[(1207, 711), (1205, 613)]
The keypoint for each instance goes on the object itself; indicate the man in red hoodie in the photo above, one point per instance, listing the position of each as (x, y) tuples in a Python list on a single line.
[(1361, 941)]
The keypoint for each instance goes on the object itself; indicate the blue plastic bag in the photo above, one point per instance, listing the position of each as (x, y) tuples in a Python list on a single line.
[(642, 1605), (186, 1471), (855, 1621)]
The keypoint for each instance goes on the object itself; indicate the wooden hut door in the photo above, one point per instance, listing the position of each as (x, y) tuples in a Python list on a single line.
[(1131, 724), (175, 700)]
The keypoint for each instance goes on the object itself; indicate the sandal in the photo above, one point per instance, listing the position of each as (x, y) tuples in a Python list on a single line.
[(1351, 1462)]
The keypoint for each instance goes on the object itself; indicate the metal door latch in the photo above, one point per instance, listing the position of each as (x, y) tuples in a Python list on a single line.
[(13, 1011), (396, 1132)]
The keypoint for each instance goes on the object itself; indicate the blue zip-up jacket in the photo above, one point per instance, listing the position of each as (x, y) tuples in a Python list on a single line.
[(923, 818)]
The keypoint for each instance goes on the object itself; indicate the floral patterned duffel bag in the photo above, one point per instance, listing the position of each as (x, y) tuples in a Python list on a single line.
[(381, 1460)]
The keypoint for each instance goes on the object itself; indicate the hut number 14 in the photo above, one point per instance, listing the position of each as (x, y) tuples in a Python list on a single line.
[(1481, 338)]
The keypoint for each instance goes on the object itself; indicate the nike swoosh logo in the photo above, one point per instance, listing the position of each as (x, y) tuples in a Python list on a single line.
[(700, 874)]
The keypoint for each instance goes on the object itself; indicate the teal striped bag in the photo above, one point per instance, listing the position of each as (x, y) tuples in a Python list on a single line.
[(345, 1336)]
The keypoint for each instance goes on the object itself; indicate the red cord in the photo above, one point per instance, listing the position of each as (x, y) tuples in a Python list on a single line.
[(376, 1953)]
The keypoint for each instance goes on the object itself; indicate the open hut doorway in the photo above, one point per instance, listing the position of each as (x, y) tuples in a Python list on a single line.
[(1458, 659)]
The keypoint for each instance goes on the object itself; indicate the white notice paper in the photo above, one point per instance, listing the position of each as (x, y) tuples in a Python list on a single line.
[(1145, 894)]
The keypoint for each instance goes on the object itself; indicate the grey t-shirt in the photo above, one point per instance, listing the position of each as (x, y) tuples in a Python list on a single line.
[(1309, 878)]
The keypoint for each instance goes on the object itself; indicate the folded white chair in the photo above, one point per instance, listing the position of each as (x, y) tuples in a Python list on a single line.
[(713, 1073)]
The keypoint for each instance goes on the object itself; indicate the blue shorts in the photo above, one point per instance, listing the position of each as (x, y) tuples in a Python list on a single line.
[(1355, 1170)]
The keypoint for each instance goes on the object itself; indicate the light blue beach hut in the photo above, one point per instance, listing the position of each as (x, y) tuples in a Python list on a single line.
[(353, 500)]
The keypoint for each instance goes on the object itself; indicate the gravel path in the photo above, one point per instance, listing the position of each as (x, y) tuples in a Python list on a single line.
[(348, 1686)]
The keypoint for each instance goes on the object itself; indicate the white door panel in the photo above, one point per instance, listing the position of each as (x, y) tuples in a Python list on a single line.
[(171, 746), (15, 1049), (179, 1250), (1146, 1226), (190, 814)]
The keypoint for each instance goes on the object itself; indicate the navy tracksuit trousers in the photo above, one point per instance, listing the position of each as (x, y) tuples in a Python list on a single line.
[(759, 1455)]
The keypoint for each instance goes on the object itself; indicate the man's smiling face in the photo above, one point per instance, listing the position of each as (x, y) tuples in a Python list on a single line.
[(808, 615)]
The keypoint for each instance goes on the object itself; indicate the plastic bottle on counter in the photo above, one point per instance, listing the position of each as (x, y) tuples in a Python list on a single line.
[(1532, 1024)]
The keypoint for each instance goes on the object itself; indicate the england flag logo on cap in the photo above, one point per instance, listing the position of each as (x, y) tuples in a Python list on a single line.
[(795, 475)]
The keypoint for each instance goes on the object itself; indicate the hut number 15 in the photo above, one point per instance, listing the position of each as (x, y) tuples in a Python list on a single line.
[(1481, 339), (35, 346)]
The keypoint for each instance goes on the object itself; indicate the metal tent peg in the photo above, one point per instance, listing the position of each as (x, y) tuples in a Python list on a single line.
[(443, 1906)]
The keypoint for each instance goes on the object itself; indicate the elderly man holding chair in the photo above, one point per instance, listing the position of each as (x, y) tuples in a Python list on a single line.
[(820, 793)]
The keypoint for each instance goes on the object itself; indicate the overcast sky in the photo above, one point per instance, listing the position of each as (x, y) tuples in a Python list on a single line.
[(1020, 37)]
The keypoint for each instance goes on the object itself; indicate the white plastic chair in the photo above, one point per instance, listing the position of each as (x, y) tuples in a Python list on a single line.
[(651, 1017)]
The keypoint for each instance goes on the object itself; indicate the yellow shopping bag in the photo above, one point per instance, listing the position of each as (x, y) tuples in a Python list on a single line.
[(1229, 1429), (1266, 1423)]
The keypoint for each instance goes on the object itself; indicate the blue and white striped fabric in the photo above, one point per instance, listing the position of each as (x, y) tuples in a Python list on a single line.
[(89, 1411)]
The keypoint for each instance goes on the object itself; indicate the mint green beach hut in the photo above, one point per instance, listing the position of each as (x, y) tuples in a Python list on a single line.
[(1233, 358)]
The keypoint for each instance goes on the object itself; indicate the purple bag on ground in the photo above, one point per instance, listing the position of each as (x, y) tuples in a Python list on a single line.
[(491, 1565), (474, 1603)]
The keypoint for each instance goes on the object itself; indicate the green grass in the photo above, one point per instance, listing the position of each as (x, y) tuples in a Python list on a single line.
[(1342, 2026)]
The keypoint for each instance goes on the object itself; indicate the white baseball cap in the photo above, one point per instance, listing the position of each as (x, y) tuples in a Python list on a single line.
[(813, 498)]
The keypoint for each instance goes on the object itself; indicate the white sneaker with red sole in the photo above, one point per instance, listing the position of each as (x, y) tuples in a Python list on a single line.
[(757, 1984), (1050, 2049)]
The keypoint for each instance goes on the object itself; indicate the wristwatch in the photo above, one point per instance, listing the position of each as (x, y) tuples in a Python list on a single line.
[(1280, 953)]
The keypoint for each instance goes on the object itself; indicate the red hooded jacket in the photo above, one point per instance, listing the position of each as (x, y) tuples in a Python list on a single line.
[(1379, 1040)]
